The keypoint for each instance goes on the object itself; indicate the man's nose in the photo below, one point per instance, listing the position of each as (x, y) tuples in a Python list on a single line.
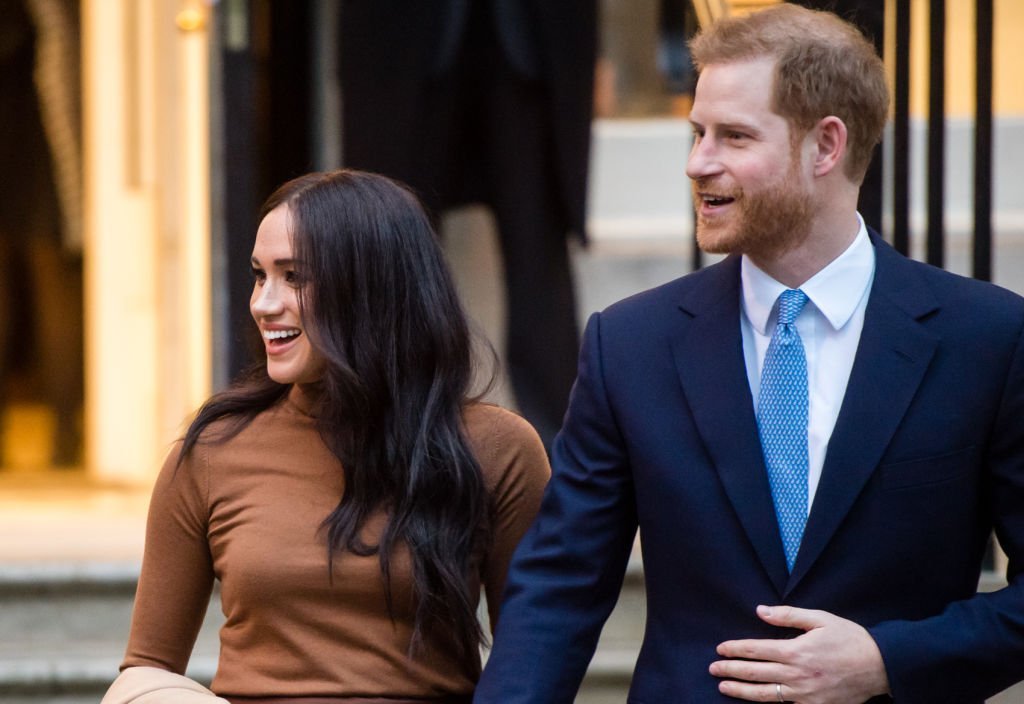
[(702, 161)]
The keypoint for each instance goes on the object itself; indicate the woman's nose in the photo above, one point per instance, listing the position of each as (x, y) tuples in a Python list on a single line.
[(266, 301)]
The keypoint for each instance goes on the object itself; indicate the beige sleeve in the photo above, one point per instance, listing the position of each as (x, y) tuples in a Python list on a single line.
[(516, 467), (177, 568), (151, 685)]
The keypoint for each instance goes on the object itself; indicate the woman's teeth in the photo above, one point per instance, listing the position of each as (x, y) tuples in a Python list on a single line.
[(280, 334)]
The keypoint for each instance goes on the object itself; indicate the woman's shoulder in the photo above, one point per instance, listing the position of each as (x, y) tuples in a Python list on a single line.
[(490, 423), (242, 427), (504, 442), (239, 442)]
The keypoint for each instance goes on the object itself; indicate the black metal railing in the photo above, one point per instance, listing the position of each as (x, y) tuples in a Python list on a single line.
[(936, 178), (982, 250), (936, 155)]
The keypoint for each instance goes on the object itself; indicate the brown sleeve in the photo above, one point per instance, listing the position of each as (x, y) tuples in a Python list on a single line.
[(516, 466), (177, 570)]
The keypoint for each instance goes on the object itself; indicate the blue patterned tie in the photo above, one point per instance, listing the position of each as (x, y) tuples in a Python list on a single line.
[(782, 421)]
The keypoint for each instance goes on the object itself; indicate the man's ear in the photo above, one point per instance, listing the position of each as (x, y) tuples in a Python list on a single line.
[(830, 144)]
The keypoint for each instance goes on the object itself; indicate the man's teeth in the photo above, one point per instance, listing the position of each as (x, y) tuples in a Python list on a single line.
[(716, 200), (279, 334)]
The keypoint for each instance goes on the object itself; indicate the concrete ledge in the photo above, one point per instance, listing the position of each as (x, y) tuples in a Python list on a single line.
[(612, 666), (68, 577), (76, 675), (638, 187), (991, 581)]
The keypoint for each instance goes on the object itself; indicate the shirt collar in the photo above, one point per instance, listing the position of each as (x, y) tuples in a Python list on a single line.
[(836, 290)]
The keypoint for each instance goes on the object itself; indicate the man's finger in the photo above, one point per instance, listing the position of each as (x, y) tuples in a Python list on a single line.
[(766, 650), (793, 617), (754, 692), (751, 671)]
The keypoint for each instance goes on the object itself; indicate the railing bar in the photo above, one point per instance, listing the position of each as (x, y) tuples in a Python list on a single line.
[(983, 142), (936, 132), (901, 131), (696, 255)]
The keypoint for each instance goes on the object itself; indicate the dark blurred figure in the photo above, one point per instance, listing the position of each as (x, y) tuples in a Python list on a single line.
[(678, 24), (869, 15), (40, 262), (487, 101)]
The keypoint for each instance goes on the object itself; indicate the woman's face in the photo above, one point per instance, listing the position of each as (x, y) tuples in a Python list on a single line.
[(291, 358)]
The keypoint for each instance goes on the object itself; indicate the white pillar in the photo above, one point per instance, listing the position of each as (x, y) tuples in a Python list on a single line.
[(147, 235)]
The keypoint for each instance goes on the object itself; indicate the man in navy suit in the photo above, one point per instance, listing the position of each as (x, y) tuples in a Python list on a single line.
[(815, 437)]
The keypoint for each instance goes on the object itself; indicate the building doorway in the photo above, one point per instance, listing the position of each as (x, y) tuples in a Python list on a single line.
[(41, 340)]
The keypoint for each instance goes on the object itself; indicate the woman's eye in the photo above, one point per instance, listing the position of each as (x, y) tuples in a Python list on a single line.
[(258, 275), (293, 278)]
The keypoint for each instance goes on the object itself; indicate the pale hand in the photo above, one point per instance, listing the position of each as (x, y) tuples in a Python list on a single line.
[(835, 661)]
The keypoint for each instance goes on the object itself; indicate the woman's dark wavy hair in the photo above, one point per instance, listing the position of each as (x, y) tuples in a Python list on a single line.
[(381, 308)]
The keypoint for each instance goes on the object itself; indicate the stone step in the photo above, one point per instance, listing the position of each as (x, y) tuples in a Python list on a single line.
[(65, 626)]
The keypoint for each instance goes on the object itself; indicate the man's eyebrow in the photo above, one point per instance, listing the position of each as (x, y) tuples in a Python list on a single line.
[(739, 127), (725, 127)]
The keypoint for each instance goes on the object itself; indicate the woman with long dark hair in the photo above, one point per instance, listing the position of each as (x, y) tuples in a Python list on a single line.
[(348, 494)]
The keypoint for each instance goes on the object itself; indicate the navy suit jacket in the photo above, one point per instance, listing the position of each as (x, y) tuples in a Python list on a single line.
[(926, 459)]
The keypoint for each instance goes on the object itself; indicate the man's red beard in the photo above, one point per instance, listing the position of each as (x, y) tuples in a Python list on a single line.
[(764, 224)]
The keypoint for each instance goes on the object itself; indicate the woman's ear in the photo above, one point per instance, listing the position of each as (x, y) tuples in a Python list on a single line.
[(830, 144)]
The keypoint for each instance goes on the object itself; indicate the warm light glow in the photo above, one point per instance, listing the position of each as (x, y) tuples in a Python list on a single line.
[(195, 225), (120, 274), (1008, 53), (147, 232)]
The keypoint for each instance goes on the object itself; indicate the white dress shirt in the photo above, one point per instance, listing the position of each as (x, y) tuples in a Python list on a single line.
[(829, 326)]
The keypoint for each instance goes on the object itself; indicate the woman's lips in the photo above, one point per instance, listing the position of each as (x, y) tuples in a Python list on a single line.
[(280, 341)]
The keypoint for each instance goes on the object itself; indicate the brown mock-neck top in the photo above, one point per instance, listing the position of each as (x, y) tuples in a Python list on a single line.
[(248, 512)]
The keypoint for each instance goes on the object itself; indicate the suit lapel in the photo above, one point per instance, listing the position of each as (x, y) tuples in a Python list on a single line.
[(893, 354), (708, 351)]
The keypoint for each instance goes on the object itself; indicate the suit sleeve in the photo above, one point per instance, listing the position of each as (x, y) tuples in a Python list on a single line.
[(567, 571), (975, 647)]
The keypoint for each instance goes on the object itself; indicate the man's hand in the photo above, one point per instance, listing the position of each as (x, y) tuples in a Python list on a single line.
[(835, 662)]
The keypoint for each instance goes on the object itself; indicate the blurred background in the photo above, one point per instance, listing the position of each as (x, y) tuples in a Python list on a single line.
[(138, 138)]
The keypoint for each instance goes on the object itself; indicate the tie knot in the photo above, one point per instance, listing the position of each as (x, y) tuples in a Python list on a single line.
[(791, 302)]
